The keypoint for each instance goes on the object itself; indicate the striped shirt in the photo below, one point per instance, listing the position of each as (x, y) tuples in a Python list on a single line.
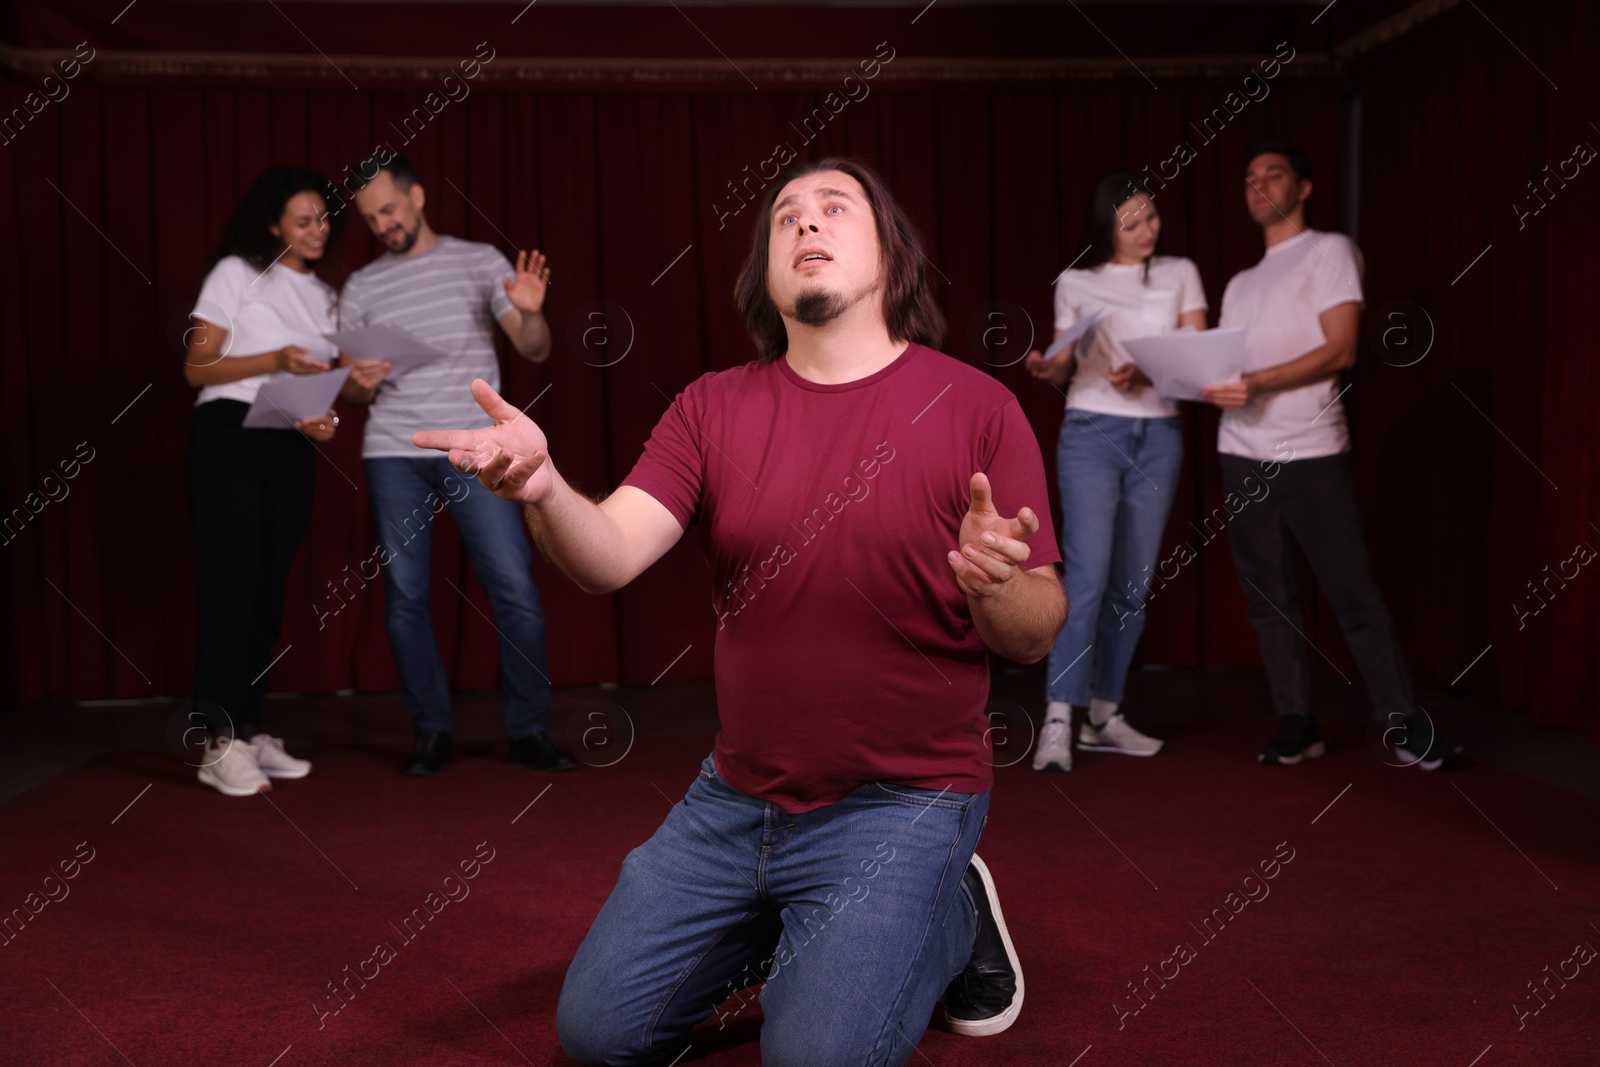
[(450, 296)]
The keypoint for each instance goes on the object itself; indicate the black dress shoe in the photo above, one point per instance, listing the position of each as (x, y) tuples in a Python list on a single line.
[(540, 752), (986, 998), (431, 754)]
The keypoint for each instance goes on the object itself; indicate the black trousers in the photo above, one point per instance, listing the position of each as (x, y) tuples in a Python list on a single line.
[(249, 500), (1314, 502)]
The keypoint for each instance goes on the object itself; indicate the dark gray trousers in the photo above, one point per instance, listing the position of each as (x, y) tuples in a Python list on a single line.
[(1312, 501)]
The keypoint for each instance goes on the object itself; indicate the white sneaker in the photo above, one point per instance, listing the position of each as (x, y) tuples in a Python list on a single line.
[(1116, 736), (230, 769), (1054, 750), (274, 761)]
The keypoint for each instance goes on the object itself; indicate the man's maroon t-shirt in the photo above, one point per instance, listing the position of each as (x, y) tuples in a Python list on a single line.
[(846, 652)]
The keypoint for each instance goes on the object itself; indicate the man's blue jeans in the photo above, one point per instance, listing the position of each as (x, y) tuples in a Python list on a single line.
[(406, 495), (852, 914), (1117, 476)]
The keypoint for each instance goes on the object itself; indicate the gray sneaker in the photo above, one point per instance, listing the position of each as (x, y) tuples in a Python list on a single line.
[(274, 762), (1054, 750), (1117, 736), (231, 769)]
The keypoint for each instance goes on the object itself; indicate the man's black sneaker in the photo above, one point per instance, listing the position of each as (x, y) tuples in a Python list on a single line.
[(432, 753), (540, 752), (1298, 739), (1423, 747), (986, 997)]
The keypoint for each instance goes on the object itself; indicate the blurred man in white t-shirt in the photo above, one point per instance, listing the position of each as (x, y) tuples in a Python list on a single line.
[(1282, 423)]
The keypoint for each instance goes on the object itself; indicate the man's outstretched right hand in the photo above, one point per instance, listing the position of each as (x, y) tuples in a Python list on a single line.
[(510, 458)]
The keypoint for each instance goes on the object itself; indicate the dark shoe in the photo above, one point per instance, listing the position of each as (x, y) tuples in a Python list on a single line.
[(1425, 748), (985, 998), (431, 754), (539, 752), (1298, 739)]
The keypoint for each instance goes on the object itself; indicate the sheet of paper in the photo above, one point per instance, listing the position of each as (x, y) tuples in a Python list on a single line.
[(284, 401), (1184, 362), (1073, 332), (404, 350)]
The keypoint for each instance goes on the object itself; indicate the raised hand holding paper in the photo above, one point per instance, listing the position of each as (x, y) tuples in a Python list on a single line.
[(284, 401), (1182, 363)]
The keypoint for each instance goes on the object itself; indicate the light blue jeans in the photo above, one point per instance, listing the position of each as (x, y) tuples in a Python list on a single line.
[(1117, 476), (852, 914)]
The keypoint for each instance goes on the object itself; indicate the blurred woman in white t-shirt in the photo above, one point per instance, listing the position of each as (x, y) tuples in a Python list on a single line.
[(1117, 461), (261, 314)]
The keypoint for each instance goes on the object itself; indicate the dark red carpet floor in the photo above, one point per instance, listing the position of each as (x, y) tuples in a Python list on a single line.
[(1405, 929)]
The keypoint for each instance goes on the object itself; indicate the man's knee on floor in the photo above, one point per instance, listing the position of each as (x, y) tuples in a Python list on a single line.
[(814, 1054), (591, 1035), (595, 1023), (815, 1043)]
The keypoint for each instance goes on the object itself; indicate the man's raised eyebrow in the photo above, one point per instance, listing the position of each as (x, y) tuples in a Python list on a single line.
[(825, 191)]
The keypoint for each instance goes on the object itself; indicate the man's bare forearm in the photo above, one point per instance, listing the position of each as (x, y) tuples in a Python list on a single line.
[(1340, 330), (533, 337), (1022, 620), (577, 535), (1321, 362)]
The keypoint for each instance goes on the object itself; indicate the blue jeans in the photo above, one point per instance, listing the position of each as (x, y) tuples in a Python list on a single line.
[(852, 915), (406, 495), (1117, 477)]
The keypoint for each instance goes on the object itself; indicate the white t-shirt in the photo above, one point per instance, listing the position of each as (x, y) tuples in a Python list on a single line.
[(262, 312), (1277, 302), (1134, 308)]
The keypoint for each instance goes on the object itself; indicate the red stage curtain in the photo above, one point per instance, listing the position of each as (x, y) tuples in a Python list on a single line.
[(1481, 461), (110, 198)]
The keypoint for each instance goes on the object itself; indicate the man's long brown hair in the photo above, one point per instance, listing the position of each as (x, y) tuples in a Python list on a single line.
[(909, 310)]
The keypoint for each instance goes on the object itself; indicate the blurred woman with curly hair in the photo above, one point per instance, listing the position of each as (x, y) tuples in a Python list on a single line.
[(262, 313)]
